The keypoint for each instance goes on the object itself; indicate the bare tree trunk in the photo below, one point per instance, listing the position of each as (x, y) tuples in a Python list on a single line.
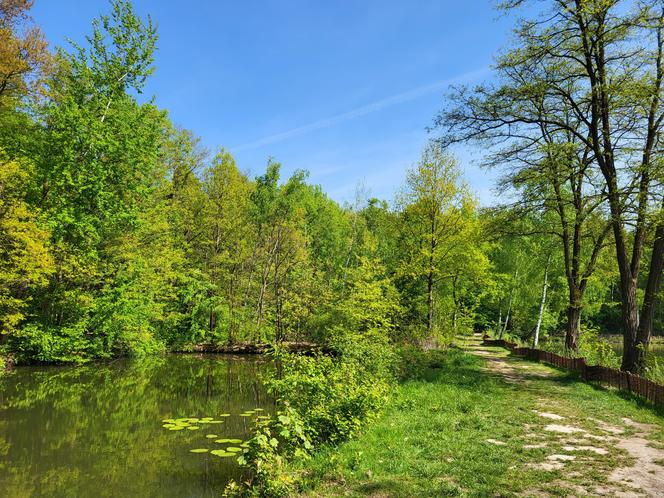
[(542, 302)]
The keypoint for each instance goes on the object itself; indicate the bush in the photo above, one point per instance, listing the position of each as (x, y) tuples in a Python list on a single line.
[(654, 369), (324, 400), (51, 344), (595, 350)]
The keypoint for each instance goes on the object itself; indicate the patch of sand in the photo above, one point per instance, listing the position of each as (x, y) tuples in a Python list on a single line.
[(644, 475), (563, 429), (561, 458), (594, 449), (603, 426), (550, 466), (551, 416)]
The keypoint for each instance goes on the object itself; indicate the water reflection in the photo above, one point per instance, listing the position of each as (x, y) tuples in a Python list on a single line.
[(97, 430)]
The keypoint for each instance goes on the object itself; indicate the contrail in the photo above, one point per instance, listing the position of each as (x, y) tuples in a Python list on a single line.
[(360, 111)]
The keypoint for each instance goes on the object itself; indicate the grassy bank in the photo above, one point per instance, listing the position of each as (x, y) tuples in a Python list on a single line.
[(466, 426)]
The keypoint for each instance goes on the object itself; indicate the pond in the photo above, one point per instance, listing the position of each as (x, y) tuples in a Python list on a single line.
[(656, 348), (98, 430)]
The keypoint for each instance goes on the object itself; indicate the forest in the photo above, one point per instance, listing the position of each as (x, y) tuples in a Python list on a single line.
[(122, 236)]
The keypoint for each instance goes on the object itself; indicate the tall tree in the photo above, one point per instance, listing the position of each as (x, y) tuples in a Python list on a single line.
[(97, 164), (24, 57), (25, 259), (435, 209), (597, 86), (228, 234)]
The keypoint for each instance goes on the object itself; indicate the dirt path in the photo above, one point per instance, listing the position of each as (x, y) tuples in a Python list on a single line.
[(630, 462)]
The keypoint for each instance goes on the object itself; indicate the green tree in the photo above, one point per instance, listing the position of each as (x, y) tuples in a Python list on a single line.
[(228, 236), (25, 259), (97, 166), (435, 211), (591, 84)]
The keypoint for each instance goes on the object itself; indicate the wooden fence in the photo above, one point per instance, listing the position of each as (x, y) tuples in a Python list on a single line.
[(624, 381)]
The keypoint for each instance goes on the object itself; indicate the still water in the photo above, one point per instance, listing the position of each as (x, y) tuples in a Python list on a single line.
[(97, 431)]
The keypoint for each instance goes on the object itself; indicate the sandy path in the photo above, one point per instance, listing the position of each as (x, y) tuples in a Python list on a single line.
[(644, 477)]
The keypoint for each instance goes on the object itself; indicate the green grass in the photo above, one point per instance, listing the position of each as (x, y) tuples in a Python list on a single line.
[(432, 439)]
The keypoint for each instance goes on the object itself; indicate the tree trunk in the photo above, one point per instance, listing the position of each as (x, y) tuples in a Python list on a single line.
[(213, 321), (650, 301), (509, 304), (430, 304), (573, 326), (542, 302), (630, 315), (456, 303), (507, 319)]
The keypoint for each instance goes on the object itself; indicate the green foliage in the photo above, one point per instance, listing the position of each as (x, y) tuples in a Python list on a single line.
[(370, 305), (436, 238), (596, 350), (34, 342), (655, 369), (26, 261), (276, 441), (145, 242), (324, 400)]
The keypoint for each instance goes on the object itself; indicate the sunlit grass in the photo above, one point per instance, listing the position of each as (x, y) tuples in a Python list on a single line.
[(432, 440)]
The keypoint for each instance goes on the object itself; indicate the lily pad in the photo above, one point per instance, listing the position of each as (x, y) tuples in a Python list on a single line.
[(214, 422), (259, 410), (193, 428), (231, 441), (211, 436), (199, 450), (222, 453), (176, 428), (225, 415), (233, 449)]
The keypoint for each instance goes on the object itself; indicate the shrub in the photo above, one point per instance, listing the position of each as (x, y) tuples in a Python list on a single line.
[(51, 344), (324, 400), (654, 369), (595, 350)]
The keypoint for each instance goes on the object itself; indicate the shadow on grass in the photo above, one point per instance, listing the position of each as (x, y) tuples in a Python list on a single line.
[(457, 367), (563, 377), (396, 487)]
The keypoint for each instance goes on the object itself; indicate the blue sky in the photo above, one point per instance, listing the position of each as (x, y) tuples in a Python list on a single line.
[(342, 88)]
